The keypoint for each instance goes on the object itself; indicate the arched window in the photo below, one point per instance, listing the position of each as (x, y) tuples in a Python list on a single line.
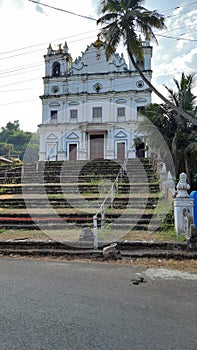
[(56, 69)]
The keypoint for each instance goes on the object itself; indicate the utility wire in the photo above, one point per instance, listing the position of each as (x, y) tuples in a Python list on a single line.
[(11, 72), (88, 17), (19, 82), (165, 36), (17, 102), (29, 52), (178, 7), (60, 9), (22, 70), (172, 37), (45, 43), (178, 14), (75, 84), (36, 45), (16, 90), (39, 64)]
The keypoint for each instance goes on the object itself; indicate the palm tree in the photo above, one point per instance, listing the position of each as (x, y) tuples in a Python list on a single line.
[(179, 134), (184, 141), (121, 20)]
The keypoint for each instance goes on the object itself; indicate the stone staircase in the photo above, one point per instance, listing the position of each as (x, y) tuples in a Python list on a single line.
[(66, 195)]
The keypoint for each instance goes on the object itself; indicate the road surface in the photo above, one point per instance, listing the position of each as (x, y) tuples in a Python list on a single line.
[(62, 305)]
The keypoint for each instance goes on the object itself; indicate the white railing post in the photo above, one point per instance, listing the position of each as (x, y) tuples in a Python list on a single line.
[(102, 217), (112, 196), (125, 164), (95, 232), (37, 166), (116, 184)]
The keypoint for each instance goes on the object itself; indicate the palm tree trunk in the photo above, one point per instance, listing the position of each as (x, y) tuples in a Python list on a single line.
[(163, 98), (174, 154), (187, 169)]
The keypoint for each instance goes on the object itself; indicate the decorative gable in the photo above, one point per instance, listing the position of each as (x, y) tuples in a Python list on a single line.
[(120, 135), (93, 60), (72, 136), (52, 137)]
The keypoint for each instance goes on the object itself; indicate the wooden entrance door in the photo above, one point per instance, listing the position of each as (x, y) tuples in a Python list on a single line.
[(96, 146), (72, 151), (121, 150)]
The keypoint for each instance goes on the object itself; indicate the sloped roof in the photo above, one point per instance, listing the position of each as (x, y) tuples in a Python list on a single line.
[(5, 160)]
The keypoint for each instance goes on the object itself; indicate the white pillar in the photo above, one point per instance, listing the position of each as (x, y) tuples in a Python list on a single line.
[(182, 203)]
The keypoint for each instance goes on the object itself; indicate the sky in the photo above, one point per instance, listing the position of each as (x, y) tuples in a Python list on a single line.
[(27, 29)]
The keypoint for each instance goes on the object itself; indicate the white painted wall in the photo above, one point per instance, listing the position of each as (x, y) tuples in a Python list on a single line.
[(75, 88)]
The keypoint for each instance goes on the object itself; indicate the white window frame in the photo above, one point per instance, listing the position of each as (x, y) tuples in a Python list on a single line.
[(97, 114), (73, 115), (120, 116)]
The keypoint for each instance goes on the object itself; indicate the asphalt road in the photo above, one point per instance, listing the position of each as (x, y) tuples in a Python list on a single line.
[(59, 305)]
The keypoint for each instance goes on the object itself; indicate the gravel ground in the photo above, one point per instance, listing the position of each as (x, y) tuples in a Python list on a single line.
[(189, 265)]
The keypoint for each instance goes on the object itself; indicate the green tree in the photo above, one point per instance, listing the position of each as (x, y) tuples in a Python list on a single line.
[(17, 141), (180, 135), (5, 149), (8, 131), (121, 20)]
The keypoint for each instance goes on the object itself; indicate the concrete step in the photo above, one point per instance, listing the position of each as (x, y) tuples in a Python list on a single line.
[(65, 222), (54, 171), (82, 185)]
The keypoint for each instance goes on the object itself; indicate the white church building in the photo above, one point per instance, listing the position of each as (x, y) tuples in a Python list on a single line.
[(91, 106)]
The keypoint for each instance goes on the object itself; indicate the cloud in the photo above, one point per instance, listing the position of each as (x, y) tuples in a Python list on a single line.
[(172, 57), (18, 3)]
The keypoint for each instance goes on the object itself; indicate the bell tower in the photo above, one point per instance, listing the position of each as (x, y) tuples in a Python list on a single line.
[(145, 63), (57, 61)]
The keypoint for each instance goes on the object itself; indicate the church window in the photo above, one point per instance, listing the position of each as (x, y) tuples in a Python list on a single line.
[(54, 116), (73, 115), (55, 89), (139, 109), (56, 69), (140, 83), (97, 114), (97, 87), (121, 114)]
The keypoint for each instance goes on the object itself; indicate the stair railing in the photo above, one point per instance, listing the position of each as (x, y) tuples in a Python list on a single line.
[(110, 196)]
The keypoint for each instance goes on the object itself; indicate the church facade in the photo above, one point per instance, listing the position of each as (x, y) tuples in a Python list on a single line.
[(91, 106)]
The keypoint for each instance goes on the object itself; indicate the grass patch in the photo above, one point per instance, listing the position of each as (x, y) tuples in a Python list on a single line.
[(159, 235), (107, 234)]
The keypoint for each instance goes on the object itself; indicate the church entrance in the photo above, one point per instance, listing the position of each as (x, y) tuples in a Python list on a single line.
[(121, 150), (72, 151), (96, 146)]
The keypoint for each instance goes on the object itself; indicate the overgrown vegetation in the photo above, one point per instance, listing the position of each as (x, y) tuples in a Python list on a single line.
[(179, 134), (16, 143)]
